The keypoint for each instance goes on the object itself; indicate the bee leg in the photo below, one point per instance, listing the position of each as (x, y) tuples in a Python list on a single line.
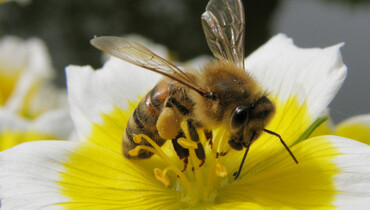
[(195, 137), (209, 135), (180, 151), (172, 102), (186, 160), (168, 123)]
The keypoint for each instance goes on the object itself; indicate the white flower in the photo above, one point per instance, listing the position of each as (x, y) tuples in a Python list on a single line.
[(92, 173)]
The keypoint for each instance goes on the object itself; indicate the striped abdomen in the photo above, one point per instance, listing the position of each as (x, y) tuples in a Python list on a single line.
[(144, 119)]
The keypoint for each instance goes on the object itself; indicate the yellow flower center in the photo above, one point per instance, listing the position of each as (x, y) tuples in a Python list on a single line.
[(199, 181), (96, 171)]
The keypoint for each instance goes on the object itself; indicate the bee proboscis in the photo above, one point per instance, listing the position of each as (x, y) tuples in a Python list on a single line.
[(221, 94)]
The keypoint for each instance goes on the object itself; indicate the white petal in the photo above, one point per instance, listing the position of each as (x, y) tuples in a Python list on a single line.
[(28, 181), (313, 75), (92, 93), (353, 181)]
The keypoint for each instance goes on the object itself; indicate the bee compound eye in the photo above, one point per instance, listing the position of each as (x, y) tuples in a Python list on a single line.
[(239, 117)]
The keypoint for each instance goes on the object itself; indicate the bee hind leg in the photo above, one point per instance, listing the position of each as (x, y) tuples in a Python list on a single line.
[(168, 123)]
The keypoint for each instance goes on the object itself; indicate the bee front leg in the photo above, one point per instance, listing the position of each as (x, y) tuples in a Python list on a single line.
[(193, 133), (180, 151)]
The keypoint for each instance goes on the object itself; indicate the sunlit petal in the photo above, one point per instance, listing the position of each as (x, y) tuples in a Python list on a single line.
[(314, 75)]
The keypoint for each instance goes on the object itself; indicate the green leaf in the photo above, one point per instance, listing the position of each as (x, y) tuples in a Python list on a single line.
[(310, 129)]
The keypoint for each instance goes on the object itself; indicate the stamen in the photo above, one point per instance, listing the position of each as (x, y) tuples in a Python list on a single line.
[(216, 141), (221, 144), (187, 143), (198, 173), (158, 150), (135, 152), (221, 171), (161, 176)]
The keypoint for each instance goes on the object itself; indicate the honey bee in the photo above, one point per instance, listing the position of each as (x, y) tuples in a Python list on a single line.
[(221, 94)]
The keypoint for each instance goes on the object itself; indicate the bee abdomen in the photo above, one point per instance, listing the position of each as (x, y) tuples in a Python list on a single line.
[(143, 121)]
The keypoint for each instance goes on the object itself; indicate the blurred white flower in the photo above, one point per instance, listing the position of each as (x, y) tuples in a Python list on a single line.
[(15, 130), (26, 74), (27, 94)]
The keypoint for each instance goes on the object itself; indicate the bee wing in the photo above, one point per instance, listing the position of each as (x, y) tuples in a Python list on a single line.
[(223, 25), (139, 55)]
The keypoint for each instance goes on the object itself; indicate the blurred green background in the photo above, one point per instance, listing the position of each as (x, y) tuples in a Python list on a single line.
[(67, 27)]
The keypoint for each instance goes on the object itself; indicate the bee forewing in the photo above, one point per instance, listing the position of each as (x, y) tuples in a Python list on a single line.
[(223, 25), (139, 55), (125, 49)]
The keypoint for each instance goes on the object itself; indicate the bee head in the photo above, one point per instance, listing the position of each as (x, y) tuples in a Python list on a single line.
[(248, 121)]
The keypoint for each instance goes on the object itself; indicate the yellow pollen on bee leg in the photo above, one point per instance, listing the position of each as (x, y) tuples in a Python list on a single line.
[(161, 176), (221, 171), (187, 143)]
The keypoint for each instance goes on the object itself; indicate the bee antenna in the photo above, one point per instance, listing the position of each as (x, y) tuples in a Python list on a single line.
[(281, 140)]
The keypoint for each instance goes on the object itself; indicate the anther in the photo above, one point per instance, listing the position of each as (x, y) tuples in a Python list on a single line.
[(134, 152), (136, 138), (162, 177), (187, 144), (221, 170)]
